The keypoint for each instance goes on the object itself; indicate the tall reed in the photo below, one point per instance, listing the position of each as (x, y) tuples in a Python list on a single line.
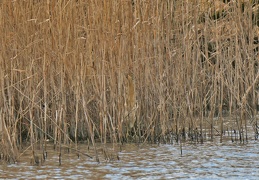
[(121, 71)]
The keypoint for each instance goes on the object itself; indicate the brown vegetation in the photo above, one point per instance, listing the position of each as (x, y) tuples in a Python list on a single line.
[(116, 71)]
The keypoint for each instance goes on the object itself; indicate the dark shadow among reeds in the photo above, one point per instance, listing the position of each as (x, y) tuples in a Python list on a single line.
[(126, 71)]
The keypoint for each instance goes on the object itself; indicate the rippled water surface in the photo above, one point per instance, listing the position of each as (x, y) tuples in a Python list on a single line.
[(211, 160)]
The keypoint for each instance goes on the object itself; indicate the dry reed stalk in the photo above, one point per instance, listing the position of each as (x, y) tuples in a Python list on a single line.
[(59, 135), (33, 132), (10, 153), (45, 106), (76, 114), (91, 131), (184, 63), (1, 124)]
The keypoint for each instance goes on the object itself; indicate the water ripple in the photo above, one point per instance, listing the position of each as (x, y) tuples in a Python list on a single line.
[(207, 161)]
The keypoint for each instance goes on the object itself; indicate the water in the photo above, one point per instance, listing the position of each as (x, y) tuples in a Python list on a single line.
[(211, 160)]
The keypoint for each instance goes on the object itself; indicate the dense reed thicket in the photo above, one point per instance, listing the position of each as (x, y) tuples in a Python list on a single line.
[(120, 71)]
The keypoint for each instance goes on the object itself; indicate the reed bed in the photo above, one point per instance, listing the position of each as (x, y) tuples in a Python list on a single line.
[(126, 71)]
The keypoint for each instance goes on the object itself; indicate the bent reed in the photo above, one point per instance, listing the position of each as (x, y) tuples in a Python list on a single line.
[(126, 71)]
